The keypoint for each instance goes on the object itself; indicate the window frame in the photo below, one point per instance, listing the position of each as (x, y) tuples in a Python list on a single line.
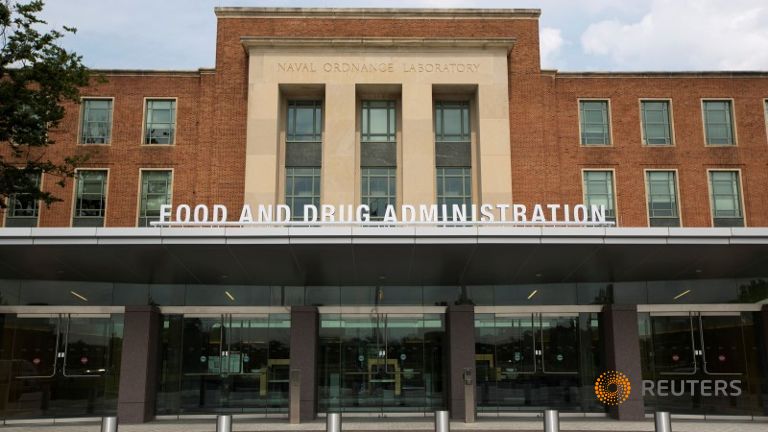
[(734, 131), (671, 115), (6, 211), (316, 103), (742, 204), (293, 196), (74, 193), (610, 121), (391, 105), (391, 197), (138, 196), (613, 185), (81, 119), (471, 197), (437, 102), (648, 194), (175, 120)]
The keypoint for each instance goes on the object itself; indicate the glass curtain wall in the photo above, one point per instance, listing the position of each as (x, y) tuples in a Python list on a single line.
[(224, 363), (59, 365), (381, 362), (530, 362)]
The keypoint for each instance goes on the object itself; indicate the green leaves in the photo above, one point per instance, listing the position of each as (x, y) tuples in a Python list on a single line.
[(36, 76)]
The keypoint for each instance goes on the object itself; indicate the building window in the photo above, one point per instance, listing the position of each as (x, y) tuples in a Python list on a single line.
[(160, 121), (726, 199), (598, 191), (662, 199), (378, 190), (453, 144), (657, 129), (303, 155), (595, 122), (302, 187), (96, 127), (23, 210), (155, 192), (305, 120), (378, 156), (90, 198), (454, 186), (718, 122)]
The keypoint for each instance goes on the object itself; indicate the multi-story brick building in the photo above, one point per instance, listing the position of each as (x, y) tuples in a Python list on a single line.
[(581, 222)]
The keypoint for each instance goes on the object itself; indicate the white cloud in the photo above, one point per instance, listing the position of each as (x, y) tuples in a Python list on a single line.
[(686, 34), (551, 40)]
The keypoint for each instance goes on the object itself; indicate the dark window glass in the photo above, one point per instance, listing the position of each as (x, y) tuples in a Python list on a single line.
[(23, 210), (598, 191), (662, 198), (452, 121), (96, 127), (305, 119), (302, 187), (378, 190), (726, 198), (595, 122), (160, 121), (90, 198), (718, 122), (656, 123), (454, 187), (155, 191)]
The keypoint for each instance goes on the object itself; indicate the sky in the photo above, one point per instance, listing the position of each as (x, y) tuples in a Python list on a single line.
[(576, 35)]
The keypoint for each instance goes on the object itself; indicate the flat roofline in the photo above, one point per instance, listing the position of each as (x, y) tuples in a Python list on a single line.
[(375, 13), (154, 72), (657, 74), (376, 42)]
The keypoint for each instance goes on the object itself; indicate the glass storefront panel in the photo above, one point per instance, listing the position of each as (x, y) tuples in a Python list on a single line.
[(224, 363), (530, 362), (700, 363), (381, 362), (60, 365)]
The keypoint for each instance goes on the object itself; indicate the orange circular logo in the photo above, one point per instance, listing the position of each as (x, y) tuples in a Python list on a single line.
[(612, 388)]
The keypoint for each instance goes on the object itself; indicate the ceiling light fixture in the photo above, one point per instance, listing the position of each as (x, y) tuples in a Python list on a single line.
[(232, 298), (684, 293), (80, 296), (533, 293)]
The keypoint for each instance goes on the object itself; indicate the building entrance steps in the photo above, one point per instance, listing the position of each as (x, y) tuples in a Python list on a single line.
[(407, 425)]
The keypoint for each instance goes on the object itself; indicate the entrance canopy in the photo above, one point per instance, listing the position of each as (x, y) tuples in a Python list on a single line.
[(339, 255)]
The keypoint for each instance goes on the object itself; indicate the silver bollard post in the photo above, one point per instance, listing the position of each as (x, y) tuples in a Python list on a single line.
[(333, 422), (109, 424), (662, 421), (551, 421), (224, 423), (442, 421)]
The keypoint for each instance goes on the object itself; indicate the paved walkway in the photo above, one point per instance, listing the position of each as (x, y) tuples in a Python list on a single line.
[(393, 425)]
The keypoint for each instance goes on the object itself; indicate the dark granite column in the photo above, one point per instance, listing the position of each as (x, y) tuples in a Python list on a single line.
[(460, 335), (304, 328), (622, 354), (761, 333), (139, 365)]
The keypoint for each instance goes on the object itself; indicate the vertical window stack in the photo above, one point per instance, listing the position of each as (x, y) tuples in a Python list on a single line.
[(303, 155), (453, 156), (23, 210), (378, 156), (155, 191), (726, 199), (662, 199), (599, 191), (90, 198)]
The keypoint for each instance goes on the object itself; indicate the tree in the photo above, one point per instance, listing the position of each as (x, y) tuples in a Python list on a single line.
[(36, 76)]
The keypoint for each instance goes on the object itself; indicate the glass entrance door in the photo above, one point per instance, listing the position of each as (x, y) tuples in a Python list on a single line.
[(700, 359), (60, 365), (228, 363), (381, 362), (534, 361)]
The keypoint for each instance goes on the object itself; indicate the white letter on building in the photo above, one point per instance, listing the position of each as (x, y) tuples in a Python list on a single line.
[(265, 213), (183, 213), (165, 213), (580, 216), (219, 213), (310, 208), (389, 214), (486, 211), (538, 214), (598, 213), (246, 216), (283, 213), (427, 213), (518, 213), (363, 213), (409, 213), (201, 213)]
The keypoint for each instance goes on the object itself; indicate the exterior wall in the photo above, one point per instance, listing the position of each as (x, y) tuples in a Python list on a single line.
[(209, 158)]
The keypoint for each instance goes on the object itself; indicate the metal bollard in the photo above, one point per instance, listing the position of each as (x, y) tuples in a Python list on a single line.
[(224, 423), (333, 422), (551, 421), (109, 424), (442, 421), (662, 421)]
